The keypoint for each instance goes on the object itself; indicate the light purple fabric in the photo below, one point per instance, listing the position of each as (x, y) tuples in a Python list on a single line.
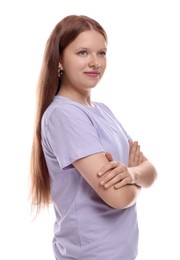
[(86, 228)]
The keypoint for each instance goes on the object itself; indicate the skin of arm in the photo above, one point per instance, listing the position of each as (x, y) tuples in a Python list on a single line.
[(141, 171), (119, 198), (144, 174)]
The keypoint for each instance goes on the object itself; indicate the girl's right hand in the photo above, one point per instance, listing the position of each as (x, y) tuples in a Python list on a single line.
[(135, 155)]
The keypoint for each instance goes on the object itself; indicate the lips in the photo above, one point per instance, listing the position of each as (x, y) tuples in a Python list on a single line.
[(92, 73)]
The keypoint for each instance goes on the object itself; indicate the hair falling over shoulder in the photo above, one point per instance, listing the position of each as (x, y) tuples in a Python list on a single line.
[(48, 86)]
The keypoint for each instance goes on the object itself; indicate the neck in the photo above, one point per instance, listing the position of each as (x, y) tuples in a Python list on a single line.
[(82, 98)]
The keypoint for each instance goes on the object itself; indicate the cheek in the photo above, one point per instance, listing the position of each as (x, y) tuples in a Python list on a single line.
[(103, 65), (81, 64), (105, 62), (70, 70), (76, 65)]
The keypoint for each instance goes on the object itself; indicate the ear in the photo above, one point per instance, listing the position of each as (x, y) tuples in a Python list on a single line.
[(60, 65)]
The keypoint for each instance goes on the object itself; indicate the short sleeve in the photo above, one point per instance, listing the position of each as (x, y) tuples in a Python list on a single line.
[(70, 134)]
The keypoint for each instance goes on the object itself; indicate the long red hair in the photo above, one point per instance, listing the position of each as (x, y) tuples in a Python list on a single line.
[(48, 86)]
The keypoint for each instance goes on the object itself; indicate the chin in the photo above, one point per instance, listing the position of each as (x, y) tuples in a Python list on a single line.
[(92, 86)]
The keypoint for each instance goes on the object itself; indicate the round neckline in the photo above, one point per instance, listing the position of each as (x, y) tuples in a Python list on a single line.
[(75, 102)]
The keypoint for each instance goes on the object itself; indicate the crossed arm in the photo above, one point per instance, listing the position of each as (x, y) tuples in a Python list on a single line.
[(117, 185), (140, 171)]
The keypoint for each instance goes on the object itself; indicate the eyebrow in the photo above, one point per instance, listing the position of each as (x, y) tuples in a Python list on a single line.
[(85, 48)]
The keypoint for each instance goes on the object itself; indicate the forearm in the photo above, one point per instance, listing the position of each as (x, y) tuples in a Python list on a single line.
[(144, 174), (131, 195), (90, 166), (124, 197)]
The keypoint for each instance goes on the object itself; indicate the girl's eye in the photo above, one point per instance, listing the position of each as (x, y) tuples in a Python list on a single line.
[(82, 53), (102, 53)]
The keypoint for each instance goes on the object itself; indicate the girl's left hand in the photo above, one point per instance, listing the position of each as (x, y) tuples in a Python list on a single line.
[(115, 174), (119, 175)]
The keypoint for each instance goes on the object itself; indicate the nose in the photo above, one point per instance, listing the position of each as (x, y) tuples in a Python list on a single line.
[(94, 62)]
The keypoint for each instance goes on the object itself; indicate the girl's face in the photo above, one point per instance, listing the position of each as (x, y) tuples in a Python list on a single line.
[(84, 62)]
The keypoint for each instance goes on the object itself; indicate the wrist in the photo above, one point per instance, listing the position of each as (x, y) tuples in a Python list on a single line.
[(134, 175)]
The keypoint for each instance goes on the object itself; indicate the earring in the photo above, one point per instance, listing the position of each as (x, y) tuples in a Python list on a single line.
[(60, 71)]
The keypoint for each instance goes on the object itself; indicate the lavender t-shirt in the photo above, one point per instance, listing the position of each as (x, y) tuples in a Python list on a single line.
[(86, 228)]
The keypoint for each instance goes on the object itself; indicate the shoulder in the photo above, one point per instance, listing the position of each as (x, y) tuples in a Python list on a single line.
[(65, 111), (61, 106)]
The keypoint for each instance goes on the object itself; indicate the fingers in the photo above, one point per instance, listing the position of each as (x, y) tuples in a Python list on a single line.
[(109, 156), (117, 179), (112, 173), (116, 174), (107, 167), (129, 179), (135, 154), (141, 157), (119, 176), (123, 182)]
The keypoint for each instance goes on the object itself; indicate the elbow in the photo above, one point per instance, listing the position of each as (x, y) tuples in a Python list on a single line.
[(155, 174), (152, 178), (146, 176)]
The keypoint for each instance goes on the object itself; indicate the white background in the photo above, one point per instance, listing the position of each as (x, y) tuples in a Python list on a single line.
[(140, 86)]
